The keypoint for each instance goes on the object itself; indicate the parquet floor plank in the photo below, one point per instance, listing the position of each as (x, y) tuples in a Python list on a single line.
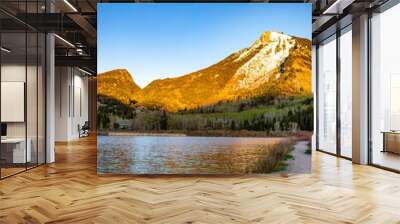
[(70, 191)]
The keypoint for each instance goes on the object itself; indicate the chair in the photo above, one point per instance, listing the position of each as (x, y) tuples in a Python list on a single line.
[(84, 130)]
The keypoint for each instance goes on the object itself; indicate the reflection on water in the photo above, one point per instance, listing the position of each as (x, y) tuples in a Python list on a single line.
[(184, 155)]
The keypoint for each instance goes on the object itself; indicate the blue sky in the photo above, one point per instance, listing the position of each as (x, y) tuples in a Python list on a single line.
[(155, 41)]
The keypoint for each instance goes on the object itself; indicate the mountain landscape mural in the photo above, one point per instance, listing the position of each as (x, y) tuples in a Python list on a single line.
[(275, 65), (249, 112)]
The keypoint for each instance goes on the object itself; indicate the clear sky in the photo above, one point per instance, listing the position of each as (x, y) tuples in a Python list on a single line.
[(155, 41)]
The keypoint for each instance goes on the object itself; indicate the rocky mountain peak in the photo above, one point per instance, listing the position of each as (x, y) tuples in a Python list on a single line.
[(271, 36)]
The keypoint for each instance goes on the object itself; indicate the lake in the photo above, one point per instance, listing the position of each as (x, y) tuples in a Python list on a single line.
[(187, 154)]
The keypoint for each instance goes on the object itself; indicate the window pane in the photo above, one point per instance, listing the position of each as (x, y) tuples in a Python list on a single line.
[(346, 94), (386, 89), (327, 96), (22, 88), (13, 85)]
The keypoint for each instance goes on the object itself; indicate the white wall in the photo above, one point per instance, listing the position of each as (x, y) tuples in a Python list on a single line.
[(71, 103), (80, 109), (12, 73), (62, 82)]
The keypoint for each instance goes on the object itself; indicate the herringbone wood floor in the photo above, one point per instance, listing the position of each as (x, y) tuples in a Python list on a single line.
[(70, 191)]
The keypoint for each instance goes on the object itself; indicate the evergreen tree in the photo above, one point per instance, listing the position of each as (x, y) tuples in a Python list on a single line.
[(164, 121), (233, 125)]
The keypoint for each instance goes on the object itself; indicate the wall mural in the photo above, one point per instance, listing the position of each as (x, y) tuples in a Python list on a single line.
[(204, 88)]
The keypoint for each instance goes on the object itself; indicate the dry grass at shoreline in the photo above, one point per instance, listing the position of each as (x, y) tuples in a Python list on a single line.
[(273, 159)]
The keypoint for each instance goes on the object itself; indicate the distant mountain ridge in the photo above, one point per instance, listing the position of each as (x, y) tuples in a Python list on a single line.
[(117, 84), (275, 64)]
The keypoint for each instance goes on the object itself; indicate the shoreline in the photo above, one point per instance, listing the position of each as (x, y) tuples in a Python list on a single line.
[(305, 135), (142, 134)]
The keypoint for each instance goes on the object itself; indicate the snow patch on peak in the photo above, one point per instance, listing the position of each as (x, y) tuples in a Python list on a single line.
[(267, 38), (272, 54), (278, 35)]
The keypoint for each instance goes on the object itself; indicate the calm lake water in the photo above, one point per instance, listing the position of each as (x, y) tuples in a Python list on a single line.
[(181, 155)]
